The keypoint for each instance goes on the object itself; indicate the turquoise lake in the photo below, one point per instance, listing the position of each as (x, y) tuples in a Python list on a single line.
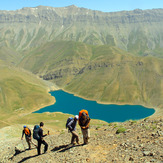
[(68, 103)]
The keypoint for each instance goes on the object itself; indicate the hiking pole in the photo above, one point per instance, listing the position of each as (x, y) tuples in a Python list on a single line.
[(23, 144)]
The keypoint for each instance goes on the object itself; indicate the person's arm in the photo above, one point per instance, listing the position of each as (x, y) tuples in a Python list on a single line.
[(79, 121), (87, 125), (70, 125), (22, 135), (42, 135), (30, 133)]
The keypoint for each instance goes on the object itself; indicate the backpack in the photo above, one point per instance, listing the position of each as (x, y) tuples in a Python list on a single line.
[(26, 131), (80, 113), (68, 120), (36, 132)]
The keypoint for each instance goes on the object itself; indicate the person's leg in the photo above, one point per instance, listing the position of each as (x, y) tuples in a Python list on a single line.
[(39, 147), (84, 136), (87, 135), (45, 145), (32, 142), (76, 136), (28, 142), (72, 138)]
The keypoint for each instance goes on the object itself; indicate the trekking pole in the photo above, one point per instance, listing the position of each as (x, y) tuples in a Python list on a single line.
[(23, 144)]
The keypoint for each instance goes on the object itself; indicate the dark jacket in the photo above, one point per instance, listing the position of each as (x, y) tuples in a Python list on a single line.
[(40, 133), (84, 123)]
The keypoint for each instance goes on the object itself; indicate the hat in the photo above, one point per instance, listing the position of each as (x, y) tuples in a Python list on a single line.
[(77, 117), (24, 126)]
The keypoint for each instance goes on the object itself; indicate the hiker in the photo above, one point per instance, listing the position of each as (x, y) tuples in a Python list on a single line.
[(71, 125), (40, 139), (28, 136), (84, 122)]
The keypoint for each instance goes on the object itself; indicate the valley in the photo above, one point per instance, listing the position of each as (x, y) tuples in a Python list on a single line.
[(107, 57)]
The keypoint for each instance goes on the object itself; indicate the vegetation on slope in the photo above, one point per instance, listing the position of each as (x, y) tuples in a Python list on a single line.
[(20, 92), (137, 31), (103, 73)]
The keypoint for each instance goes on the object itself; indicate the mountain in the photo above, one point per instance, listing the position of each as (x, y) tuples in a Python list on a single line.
[(20, 93), (108, 57), (137, 31), (103, 73)]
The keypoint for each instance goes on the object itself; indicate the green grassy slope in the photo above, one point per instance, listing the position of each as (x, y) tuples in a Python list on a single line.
[(20, 93), (103, 73), (125, 82), (9, 55), (60, 59)]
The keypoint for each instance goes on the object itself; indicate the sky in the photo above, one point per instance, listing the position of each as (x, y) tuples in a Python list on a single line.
[(101, 5)]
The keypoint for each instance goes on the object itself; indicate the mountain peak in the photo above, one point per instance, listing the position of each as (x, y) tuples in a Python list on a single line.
[(72, 6)]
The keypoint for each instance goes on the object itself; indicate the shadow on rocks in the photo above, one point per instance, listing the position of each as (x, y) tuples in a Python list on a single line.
[(17, 151), (26, 158), (63, 148)]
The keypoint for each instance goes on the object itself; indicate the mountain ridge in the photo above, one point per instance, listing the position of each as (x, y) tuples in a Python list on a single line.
[(102, 73), (137, 31)]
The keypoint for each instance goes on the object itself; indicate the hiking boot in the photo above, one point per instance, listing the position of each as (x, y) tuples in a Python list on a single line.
[(74, 143), (85, 143), (45, 152)]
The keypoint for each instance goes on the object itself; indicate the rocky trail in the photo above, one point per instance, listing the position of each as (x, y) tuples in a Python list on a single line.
[(131, 141)]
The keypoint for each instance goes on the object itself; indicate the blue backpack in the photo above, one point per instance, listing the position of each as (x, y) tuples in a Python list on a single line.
[(68, 120), (36, 132)]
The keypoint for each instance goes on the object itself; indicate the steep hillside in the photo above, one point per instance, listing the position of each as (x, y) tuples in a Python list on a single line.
[(9, 55), (131, 141), (20, 93), (109, 57), (137, 31), (103, 73)]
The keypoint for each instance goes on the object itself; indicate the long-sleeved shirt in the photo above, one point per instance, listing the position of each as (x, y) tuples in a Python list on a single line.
[(72, 125), (40, 133)]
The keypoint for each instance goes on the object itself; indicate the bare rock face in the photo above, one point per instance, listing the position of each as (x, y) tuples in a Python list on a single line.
[(137, 144), (138, 31)]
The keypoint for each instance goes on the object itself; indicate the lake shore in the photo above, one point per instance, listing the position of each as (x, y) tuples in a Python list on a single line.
[(158, 111), (72, 104)]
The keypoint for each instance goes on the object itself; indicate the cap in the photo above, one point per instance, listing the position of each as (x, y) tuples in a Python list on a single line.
[(24, 126), (77, 117)]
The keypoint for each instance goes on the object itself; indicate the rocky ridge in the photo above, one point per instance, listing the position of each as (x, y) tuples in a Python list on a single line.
[(131, 141), (137, 31)]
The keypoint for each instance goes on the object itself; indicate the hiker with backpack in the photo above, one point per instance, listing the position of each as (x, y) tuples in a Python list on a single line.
[(28, 136), (71, 125), (84, 122), (38, 135)]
